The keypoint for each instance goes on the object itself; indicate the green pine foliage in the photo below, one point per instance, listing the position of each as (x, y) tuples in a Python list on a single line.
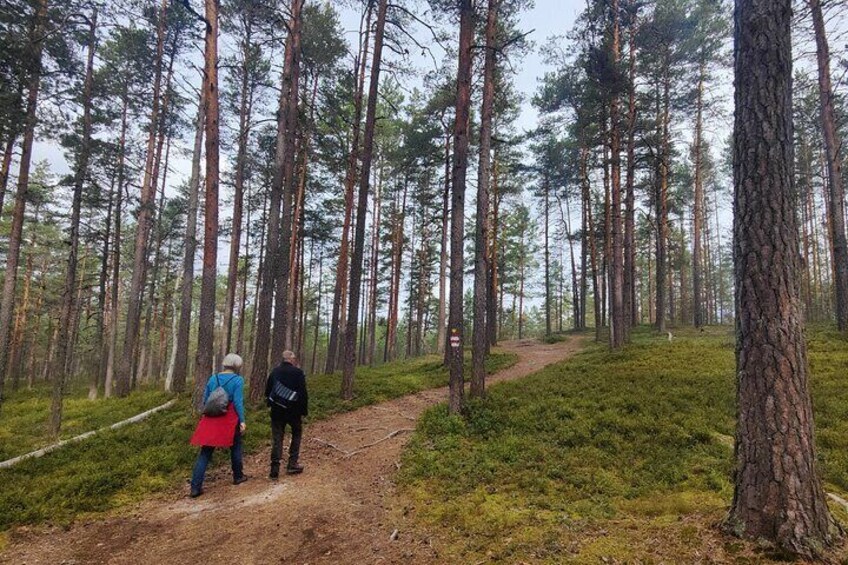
[(625, 455)]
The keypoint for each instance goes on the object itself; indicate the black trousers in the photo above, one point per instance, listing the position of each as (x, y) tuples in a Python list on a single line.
[(278, 427)]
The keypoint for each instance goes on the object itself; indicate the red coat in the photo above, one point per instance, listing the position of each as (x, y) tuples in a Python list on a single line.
[(218, 431)]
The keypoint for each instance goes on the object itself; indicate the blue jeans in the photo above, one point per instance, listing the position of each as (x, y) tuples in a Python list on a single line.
[(205, 457)]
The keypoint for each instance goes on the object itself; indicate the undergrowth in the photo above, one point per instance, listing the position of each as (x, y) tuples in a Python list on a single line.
[(125, 465), (606, 456)]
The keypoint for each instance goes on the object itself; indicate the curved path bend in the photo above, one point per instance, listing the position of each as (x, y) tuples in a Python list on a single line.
[(338, 511)]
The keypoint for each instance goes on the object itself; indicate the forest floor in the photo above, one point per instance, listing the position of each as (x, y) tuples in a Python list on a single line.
[(343, 509)]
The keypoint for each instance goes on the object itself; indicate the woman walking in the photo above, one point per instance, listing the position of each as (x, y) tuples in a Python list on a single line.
[(221, 431)]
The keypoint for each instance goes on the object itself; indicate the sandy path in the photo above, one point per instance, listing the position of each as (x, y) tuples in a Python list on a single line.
[(338, 511)]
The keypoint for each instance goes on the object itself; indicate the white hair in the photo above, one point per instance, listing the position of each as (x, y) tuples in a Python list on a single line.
[(288, 355), (232, 361)]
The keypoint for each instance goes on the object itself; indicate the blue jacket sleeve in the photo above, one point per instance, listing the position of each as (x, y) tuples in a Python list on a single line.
[(238, 398)]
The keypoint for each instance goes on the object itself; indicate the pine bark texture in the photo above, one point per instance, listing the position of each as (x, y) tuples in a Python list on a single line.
[(778, 494), (206, 330), (456, 322), (479, 347)]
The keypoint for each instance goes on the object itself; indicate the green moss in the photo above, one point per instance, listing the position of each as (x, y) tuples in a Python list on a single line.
[(603, 453)]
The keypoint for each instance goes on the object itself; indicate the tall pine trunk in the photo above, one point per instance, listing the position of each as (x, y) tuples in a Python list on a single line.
[(479, 347), (778, 492), (617, 314), (206, 329)]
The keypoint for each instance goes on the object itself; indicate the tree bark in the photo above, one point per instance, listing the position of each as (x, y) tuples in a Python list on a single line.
[(456, 322), (13, 254), (630, 303), (778, 493), (479, 348), (204, 363), (617, 314), (349, 365)]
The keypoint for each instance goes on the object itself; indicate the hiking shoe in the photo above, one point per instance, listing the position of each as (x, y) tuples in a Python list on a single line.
[(196, 492), (240, 480), (294, 469), (274, 474)]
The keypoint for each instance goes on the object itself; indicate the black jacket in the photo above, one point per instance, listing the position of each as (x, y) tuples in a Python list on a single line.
[(292, 377)]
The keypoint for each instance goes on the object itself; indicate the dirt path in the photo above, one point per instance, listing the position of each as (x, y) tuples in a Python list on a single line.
[(338, 511)]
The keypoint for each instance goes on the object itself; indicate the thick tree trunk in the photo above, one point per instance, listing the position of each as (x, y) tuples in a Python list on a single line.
[(145, 220), (349, 361), (67, 313), (834, 169), (204, 363), (778, 494), (456, 322), (479, 347), (14, 246)]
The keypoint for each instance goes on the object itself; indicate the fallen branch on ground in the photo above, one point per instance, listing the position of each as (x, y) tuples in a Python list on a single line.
[(44, 451)]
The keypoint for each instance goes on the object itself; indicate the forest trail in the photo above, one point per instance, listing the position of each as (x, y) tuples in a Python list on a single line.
[(338, 511)]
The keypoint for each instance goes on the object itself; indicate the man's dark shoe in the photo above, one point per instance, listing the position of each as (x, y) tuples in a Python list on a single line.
[(196, 492), (275, 472), (240, 480), (294, 469)]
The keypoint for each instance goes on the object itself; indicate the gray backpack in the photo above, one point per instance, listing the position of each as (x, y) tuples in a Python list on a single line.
[(216, 404)]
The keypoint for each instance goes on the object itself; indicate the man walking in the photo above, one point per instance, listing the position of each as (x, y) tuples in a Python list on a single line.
[(286, 394)]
